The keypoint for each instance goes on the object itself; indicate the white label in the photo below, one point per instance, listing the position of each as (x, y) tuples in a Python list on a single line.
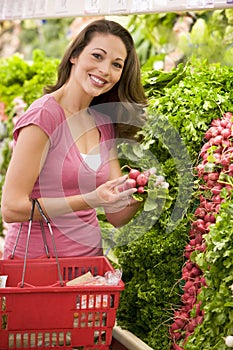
[(118, 6), (62, 6), (30, 6), (92, 6), (3, 281), (144, 5), (200, 3), (41, 7)]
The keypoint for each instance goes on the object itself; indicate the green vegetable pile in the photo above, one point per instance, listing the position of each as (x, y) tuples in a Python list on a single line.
[(151, 252)]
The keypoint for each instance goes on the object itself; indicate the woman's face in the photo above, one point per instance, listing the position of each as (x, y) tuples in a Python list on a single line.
[(99, 66)]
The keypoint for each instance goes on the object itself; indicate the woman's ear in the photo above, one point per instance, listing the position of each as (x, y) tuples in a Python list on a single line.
[(73, 59)]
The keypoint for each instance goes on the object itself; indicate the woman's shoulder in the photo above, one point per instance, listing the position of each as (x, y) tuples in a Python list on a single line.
[(44, 112), (45, 102)]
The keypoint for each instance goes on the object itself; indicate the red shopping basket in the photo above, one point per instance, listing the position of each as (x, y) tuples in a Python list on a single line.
[(45, 314)]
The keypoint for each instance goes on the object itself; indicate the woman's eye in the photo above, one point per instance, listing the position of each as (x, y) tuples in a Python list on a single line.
[(96, 55), (118, 65)]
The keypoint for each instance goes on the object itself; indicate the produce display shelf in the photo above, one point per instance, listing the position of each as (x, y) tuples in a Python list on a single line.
[(24, 9)]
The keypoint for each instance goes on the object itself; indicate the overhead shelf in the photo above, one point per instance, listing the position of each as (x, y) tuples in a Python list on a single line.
[(26, 9)]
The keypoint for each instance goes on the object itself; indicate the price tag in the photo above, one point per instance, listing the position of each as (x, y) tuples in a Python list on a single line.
[(2, 9), (62, 6), (118, 6), (92, 6), (200, 3), (13, 9), (41, 6), (9, 9), (18, 10), (29, 9), (144, 5)]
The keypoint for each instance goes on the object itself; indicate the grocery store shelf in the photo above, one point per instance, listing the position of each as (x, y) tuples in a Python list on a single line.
[(25, 9), (125, 340)]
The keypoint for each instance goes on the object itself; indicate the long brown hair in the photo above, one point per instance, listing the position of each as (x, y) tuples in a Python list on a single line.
[(126, 101)]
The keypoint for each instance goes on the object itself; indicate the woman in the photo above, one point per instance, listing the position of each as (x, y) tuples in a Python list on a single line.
[(65, 146)]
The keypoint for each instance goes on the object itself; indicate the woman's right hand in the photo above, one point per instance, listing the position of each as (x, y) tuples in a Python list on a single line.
[(110, 195)]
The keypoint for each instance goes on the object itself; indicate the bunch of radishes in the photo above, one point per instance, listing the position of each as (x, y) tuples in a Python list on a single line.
[(214, 173), (140, 180)]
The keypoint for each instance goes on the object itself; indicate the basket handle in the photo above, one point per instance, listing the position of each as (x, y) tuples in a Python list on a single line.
[(36, 202)]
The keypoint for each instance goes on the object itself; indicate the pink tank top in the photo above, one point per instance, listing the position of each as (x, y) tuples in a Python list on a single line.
[(65, 173)]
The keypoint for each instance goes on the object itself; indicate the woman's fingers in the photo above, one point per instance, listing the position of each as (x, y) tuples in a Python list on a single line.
[(108, 195), (127, 193)]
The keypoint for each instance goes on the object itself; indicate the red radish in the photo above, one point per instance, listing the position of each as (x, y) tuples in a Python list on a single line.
[(141, 189), (217, 157), (199, 238), (217, 199), (142, 180), (200, 212), (225, 160), (209, 206), (209, 218), (216, 189), (177, 335), (226, 133), (189, 266), (210, 183), (193, 242), (203, 281), (217, 140), (192, 233), (130, 183), (207, 136), (188, 285), (192, 291), (195, 271), (224, 123), (214, 131), (175, 326), (185, 297), (229, 125), (213, 176), (228, 115), (201, 247), (180, 322), (133, 174), (200, 224), (216, 122), (226, 143)]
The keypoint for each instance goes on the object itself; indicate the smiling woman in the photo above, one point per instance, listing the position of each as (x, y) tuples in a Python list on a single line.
[(65, 146)]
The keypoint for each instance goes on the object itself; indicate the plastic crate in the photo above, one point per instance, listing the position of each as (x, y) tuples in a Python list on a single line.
[(45, 315)]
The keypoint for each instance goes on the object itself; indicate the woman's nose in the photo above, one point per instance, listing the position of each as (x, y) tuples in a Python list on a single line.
[(104, 67)]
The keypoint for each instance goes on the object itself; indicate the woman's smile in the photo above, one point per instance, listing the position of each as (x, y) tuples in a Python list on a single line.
[(97, 81)]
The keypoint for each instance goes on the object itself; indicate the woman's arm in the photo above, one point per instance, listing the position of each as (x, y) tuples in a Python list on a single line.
[(24, 168)]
